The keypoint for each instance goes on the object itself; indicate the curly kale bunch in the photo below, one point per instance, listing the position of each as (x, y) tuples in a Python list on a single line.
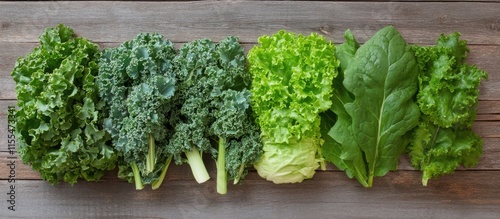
[(214, 105), (137, 82)]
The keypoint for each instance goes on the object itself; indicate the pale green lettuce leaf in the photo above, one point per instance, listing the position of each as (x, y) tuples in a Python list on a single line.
[(290, 162), (292, 78)]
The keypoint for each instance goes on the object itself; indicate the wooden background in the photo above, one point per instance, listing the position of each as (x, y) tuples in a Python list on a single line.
[(471, 193)]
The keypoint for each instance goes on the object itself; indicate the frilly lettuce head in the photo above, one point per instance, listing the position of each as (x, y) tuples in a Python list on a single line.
[(292, 83)]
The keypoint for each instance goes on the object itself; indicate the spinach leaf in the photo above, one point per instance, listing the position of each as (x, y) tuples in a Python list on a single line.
[(377, 110)]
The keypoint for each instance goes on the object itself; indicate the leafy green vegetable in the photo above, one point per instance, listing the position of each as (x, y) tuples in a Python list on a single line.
[(448, 88), (59, 121), (190, 136), (448, 98), (214, 107), (374, 107), (137, 82), (292, 83), (234, 128), (437, 151), (345, 154)]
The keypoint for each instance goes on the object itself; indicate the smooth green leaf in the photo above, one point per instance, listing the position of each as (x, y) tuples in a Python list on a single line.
[(376, 110)]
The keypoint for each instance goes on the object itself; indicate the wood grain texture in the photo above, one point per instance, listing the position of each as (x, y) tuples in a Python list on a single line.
[(185, 21), (468, 193), (330, 195)]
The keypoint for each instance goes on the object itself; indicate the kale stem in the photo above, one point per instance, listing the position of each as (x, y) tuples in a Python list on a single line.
[(150, 159), (221, 167), (240, 172), (137, 177), (157, 183), (197, 166)]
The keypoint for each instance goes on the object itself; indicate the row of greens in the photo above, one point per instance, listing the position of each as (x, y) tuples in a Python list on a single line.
[(391, 97), (140, 105), (297, 102)]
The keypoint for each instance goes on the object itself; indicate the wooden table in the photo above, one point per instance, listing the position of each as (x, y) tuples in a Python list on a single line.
[(469, 193)]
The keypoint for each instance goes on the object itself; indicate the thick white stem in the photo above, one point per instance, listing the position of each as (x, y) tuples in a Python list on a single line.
[(198, 168)]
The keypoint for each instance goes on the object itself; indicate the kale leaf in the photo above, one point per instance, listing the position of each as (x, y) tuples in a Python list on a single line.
[(137, 82), (214, 110)]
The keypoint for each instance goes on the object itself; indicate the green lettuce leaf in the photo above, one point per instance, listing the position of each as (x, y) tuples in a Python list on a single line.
[(60, 117), (448, 98), (289, 162), (438, 151), (292, 78), (448, 88)]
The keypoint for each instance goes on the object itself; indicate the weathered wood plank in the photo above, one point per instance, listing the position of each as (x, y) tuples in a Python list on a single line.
[(8, 90), (488, 117), (120, 21), (3, 124), (489, 90), (332, 194), (487, 129), (491, 153), (488, 107), (22, 171), (367, 1)]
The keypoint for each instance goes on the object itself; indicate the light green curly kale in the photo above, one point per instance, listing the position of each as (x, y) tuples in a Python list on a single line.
[(59, 117)]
